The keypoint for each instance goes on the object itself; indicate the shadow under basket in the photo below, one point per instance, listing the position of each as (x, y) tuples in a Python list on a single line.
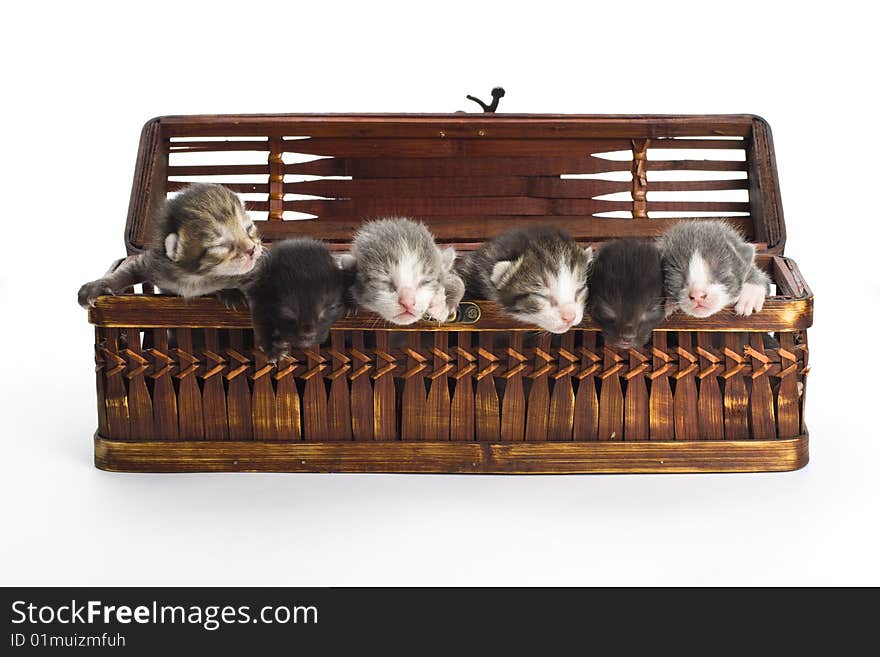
[(181, 387)]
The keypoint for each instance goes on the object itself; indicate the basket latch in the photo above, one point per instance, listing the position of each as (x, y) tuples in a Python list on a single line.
[(497, 95)]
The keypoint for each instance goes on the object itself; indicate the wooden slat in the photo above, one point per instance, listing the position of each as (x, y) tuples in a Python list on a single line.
[(458, 125), (263, 404), (361, 389), (788, 415), (168, 311), (462, 408), (316, 425), (561, 419), (414, 187), (442, 147), (486, 403), (574, 188), (213, 392), (218, 170), (610, 398), (661, 421), (440, 457), (413, 403), (483, 206), (697, 165), (479, 227), (238, 395), (241, 188), (586, 401), (762, 416), (684, 401), (513, 405), (697, 185), (538, 415), (339, 402), (695, 144), (388, 167), (736, 395), (711, 408), (115, 394), (212, 146), (438, 403), (384, 402), (140, 405), (189, 395)]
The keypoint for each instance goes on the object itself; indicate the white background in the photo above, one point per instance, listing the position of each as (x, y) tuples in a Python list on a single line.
[(81, 78)]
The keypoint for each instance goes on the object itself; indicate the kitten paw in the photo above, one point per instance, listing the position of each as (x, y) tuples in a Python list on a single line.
[(751, 299), (90, 292), (232, 299), (438, 310)]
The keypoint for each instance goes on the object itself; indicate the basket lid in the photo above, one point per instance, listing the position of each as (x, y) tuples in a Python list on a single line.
[(468, 176)]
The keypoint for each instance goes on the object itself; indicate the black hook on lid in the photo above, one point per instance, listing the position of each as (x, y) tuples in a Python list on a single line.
[(497, 94)]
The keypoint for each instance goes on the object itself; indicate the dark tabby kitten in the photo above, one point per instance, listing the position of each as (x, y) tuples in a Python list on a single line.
[(204, 243), (626, 292), (539, 276), (296, 293)]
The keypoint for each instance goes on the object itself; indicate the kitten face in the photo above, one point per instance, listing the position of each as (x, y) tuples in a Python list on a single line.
[(546, 288), (702, 292), (210, 233), (295, 295), (626, 292), (705, 265), (398, 269), (305, 320)]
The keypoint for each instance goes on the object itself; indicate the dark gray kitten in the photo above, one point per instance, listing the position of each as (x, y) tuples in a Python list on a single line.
[(295, 294), (401, 274), (707, 266), (626, 292), (538, 275), (204, 242)]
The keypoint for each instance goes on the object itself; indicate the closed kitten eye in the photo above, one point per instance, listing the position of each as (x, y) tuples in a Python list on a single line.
[(220, 249)]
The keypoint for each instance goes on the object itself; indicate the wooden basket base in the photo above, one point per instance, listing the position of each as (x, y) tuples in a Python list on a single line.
[(453, 457)]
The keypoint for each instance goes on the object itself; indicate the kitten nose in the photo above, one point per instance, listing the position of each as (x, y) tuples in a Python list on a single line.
[(252, 251), (697, 295), (567, 315), (406, 297)]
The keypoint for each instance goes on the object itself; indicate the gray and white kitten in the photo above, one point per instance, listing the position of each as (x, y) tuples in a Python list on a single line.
[(204, 243), (401, 274), (707, 266), (538, 275)]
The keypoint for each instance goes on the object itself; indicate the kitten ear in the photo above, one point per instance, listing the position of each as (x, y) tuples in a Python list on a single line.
[(588, 250), (503, 270), (747, 251), (173, 247), (447, 258), (345, 261)]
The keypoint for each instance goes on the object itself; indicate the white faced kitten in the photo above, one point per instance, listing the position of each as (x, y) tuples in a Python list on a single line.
[(205, 242), (539, 276), (707, 266), (401, 274)]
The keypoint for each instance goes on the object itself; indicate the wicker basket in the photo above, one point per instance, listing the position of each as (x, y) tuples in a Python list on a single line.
[(483, 394)]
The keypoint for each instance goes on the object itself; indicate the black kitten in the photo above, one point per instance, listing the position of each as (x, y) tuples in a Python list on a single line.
[(626, 292), (297, 293)]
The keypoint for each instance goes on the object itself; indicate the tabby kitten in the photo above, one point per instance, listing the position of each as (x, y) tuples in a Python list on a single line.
[(204, 243), (538, 275)]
